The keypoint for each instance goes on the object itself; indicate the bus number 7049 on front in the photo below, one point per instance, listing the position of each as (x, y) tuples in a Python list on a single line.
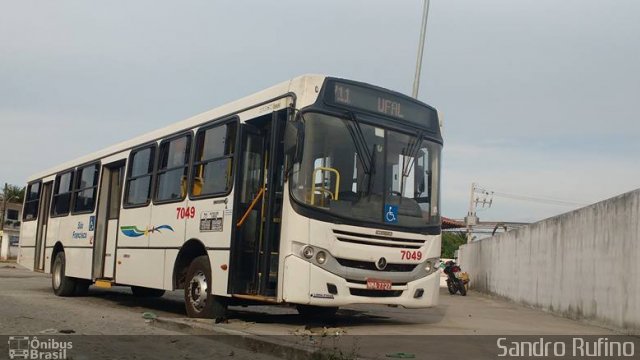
[(410, 255)]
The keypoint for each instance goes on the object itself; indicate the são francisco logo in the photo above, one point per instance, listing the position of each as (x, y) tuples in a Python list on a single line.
[(133, 231)]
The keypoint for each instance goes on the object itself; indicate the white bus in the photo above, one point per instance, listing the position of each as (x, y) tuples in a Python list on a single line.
[(318, 192)]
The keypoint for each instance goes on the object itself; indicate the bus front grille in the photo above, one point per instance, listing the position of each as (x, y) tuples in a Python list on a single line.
[(377, 240), (368, 265)]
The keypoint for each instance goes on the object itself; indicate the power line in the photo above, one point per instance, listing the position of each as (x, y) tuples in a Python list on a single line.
[(542, 200)]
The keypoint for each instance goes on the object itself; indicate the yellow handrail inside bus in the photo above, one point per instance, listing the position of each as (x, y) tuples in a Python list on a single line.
[(253, 204), (334, 195)]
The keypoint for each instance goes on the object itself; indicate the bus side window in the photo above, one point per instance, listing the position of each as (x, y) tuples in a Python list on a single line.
[(139, 176), (213, 162), (62, 194), (31, 202), (172, 168), (84, 191)]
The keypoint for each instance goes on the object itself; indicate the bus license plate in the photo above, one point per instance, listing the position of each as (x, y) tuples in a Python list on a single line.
[(377, 284)]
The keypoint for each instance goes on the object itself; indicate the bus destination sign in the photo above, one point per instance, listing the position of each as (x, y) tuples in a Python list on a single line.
[(380, 102)]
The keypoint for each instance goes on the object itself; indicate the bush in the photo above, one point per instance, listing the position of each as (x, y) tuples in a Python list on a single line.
[(451, 241)]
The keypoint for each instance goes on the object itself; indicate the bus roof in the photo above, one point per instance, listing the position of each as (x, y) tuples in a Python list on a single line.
[(194, 121)]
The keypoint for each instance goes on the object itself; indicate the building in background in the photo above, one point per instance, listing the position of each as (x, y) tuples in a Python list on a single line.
[(11, 232)]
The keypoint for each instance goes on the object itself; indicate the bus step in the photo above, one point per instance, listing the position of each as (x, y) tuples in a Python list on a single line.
[(105, 284), (268, 299)]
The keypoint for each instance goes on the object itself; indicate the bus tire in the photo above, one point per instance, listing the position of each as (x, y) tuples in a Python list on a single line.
[(316, 311), (143, 292), (198, 300), (62, 285)]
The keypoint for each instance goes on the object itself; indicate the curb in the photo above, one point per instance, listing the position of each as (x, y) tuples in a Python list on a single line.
[(240, 339)]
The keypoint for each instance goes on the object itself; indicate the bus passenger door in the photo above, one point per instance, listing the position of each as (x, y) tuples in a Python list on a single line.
[(247, 212), (106, 227), (258, 206), (41, 232)]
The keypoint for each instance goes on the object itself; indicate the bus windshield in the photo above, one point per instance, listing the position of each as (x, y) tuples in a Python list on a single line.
[(363, 172)]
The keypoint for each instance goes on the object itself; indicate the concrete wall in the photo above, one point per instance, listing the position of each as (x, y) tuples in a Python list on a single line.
[(584, 264)]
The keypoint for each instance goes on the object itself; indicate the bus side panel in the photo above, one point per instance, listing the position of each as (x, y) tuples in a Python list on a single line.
[(170, 256), (77, 240), (53, 228), (26, 257), (47, 259), (295, 228), (205, 225), (28, 233), (167, 225), (76, 232), (78, 262), (141, 267), (296, 280), (136, 221), (219, 276), (27, 243)]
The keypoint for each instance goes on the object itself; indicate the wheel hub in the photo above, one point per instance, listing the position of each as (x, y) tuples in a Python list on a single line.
[(57, 274), (198, 290)]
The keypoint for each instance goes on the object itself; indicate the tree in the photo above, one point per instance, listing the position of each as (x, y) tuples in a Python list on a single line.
[(451, 241), (13, 193)]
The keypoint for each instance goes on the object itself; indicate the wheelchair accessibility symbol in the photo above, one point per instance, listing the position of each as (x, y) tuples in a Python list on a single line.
[(391, 214)]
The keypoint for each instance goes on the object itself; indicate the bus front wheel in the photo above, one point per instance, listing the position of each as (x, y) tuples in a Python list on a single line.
[(62, 284), (197, 291)]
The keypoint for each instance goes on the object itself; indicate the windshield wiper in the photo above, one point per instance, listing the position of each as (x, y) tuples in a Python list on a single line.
[(412, 151), (371, 178), (363, 140), (362, 148), (358, 146)]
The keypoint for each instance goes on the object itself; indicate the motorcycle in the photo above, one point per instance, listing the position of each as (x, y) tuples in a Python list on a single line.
[(456, 280)]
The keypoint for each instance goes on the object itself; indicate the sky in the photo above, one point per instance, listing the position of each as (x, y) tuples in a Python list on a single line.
[(538, 97)]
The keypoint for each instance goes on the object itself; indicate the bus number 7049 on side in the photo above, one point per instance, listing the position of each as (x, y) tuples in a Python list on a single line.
[(185, 213)]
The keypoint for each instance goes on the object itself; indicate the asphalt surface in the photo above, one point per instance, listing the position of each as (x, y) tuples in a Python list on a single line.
[(112, 319), (29, 307)]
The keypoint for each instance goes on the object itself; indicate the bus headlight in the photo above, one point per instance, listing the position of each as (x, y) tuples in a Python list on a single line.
[(307, 252), (431, 265), (321, 258)]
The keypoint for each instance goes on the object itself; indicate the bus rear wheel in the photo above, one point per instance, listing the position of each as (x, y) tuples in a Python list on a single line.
[(197, 291), (62, 285)]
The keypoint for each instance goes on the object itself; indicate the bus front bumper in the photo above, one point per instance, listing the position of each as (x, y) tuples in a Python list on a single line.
[(326, 289)]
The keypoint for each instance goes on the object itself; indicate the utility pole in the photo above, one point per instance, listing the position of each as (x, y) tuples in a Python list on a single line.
[(484, 198), (471, 219), (3, 256), (423, 34), (4, 206)]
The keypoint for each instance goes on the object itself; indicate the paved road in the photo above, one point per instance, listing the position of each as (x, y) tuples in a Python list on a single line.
[(28, 307)]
